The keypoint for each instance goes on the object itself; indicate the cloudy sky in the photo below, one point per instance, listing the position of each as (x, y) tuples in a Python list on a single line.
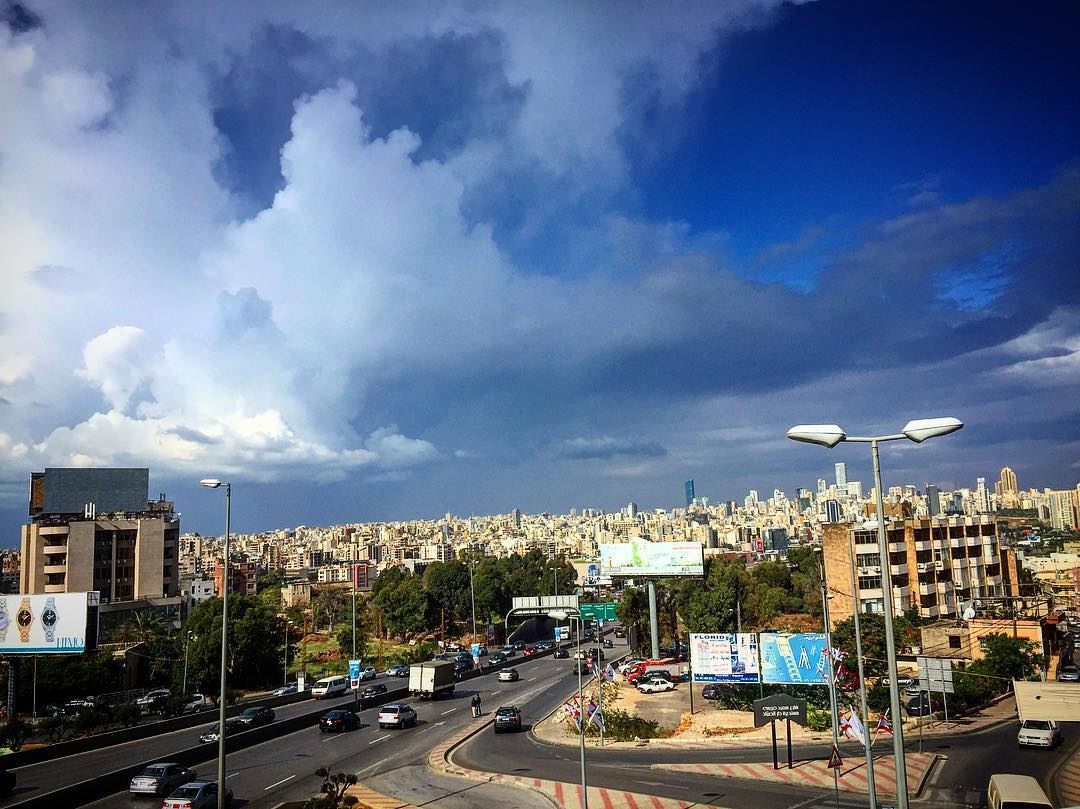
[(389, 260)]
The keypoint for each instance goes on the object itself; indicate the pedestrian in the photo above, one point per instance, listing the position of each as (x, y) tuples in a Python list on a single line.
[(475, 705), (479, 710)]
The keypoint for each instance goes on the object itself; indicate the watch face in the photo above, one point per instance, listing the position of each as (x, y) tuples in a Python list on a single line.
[(48, 617), (25, 617), (3, 621)]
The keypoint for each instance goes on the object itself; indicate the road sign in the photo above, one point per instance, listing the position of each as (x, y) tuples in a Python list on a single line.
[(835, 762), (598, 611), (779, 706), (935, 674)]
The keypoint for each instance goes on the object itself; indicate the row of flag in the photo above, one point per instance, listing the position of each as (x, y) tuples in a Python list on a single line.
[(852, 727), (593, 714)]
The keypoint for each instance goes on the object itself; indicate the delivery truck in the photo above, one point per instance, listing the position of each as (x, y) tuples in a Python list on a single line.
[(430, 679)]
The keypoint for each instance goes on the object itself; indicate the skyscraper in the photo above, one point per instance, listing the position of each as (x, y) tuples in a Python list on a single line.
[(689, 487), (841, 477), (933, 500), (1008, 480)]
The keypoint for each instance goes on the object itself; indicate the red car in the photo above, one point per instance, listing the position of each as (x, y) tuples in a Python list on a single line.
[(529, 651)]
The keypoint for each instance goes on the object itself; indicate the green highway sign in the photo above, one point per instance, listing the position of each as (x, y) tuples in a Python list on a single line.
[(597, 611)]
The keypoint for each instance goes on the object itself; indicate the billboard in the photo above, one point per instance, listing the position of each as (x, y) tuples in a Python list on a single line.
[(793, 659), (69, 491), (639, 557), (43, 624), (724, 657)]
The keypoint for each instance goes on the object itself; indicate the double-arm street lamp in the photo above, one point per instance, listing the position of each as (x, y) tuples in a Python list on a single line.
[(562, 615), (213, 483), (829, 435)]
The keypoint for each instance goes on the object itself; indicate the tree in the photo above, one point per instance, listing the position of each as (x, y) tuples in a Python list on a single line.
[(344, 634), (1011, 658), (873, 639), (447, 586), (402, 602), (255, 645), (333, 790)]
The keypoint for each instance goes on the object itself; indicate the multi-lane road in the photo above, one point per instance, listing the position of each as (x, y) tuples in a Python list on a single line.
[(283, 768)]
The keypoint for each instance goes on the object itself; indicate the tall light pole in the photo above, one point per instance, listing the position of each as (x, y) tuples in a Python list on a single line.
[(829, 435), (472, 594), (285, 680), (560, 615), (829, 661), (871, 788), (213, 483), (183, 682)]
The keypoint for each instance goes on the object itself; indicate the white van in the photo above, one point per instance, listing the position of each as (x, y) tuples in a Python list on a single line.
[(1007, 791), (330, 687)]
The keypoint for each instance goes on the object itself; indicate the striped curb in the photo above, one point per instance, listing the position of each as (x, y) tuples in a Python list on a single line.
[(817, 774), (371, 799), (1067, 781)]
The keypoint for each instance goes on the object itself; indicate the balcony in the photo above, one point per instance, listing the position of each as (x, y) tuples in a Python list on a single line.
[(897, 547), (923, 546), (898, 570), (927, 589), (973, 541), (55, 588), (53, 530), (62, 568)]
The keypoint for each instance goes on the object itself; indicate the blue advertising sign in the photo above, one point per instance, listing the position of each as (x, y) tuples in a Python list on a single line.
[(794, 659), (354, 673), (475, 649), (724, 657)]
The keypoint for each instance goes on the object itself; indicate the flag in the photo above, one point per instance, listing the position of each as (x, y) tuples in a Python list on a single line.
[(574, 713), (853, 728), (596, 669), (609, 673), (883, 723), (596, 716)]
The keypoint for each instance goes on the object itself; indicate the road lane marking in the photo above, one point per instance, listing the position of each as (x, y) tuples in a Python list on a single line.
[(493, 693), (444, 713), (279, 783), (425, 730), (332, 738), (380, 738), (531, 679)]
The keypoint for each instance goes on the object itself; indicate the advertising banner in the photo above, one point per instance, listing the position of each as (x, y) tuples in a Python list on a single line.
[(639, 557), (354, 673), (793, 659), (43, 624), (724, 658)]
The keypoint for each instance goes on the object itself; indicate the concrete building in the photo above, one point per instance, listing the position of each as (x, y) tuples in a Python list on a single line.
[(95, 529), (242, 577), (936, 565), (966, 640)]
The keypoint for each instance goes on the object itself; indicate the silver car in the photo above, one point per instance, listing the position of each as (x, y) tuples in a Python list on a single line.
[(1068, 674), (160, 779), (396, 716)]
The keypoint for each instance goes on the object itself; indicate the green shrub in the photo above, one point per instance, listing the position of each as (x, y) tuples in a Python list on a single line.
[(620, 726), (817, 719)]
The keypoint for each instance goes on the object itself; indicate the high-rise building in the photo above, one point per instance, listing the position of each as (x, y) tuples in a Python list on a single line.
[(832, 511), (1008, 480), (689, 491), (631, 510), (821, 487), (933, 500), (982, 496), (95, 529), (841, 477)]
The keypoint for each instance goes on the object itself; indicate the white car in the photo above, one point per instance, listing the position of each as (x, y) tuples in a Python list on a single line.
[(633, 661), (397, 716), (368, 673), (655, 686), (508, 675), (1039, 733)]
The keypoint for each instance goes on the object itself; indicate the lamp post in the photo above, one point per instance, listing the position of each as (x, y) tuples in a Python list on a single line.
[(213, 483), (560, 615), (829, 661), (472, 595), (187, 642), (285, 674), (871, 788), (829, 435)]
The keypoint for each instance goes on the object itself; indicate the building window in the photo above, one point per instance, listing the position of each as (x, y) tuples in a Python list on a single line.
[(954, 642), (869, 560), (869, 582)]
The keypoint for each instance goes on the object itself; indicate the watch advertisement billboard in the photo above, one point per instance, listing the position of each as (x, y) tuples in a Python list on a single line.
[(639, 557), (793, 659), (724, 658), (43, 623)]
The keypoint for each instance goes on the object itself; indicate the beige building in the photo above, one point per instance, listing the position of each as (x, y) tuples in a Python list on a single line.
[(965, 640), (91, 531), (936, 565)]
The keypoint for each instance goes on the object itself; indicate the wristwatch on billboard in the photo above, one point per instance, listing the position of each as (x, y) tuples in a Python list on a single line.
[(5, 620), (25, 619), (48, 619)]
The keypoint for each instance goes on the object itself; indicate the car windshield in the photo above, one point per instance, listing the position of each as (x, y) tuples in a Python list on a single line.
[(186, 792), (1037, 724), (505, 712), (252, 711), (154, 770), (390, 709)]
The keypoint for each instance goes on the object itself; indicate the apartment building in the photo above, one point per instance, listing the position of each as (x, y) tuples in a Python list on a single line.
[(936, 565), (242, 577), (95, 529)]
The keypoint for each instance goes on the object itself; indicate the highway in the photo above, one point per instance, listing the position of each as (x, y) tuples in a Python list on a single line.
[(283, 769)]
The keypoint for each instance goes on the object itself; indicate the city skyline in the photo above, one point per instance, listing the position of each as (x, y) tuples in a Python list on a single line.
[(375, 264)]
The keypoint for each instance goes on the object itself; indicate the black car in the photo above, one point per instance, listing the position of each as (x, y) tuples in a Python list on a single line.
[(338, 721), (620, 633), (921, 706), (581, 667), (372, 691), (400, 670), (507, 718), (561, 654), (257, 716), (520, 646), (609, 643), (497, 658), (711, 691)]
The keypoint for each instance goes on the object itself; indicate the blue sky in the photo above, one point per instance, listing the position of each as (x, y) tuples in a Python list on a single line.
[(389, 263)]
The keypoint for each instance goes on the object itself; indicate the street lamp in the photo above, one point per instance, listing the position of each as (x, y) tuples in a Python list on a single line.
[(562, 615), (187, 642), (829, 435), (285, 680), (213, 483)]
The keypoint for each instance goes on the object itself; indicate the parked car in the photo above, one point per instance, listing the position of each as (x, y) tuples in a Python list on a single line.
[(368, 673), (1068, 674), (74, 706), (561, 654), (507, 718), (396, 716), (497, 658), (196, 795), (509, 676), (913, 689), (654, 685), (231, 726), (629, 663), (256, 716), (338, 721), (400, 670), (656, 674), (153, 701), (711, 691), (921, 706), (372, 691), (1038, 733), (160, 779)]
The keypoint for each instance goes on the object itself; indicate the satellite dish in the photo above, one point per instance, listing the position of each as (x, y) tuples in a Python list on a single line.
[(969, 613)]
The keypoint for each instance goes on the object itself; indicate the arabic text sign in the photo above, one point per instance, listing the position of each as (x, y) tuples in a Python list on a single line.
[(724, 658), (793, 659), (779, 706), (639, 557)]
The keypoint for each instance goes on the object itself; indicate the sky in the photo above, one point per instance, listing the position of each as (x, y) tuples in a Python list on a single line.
[(389, 261)]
